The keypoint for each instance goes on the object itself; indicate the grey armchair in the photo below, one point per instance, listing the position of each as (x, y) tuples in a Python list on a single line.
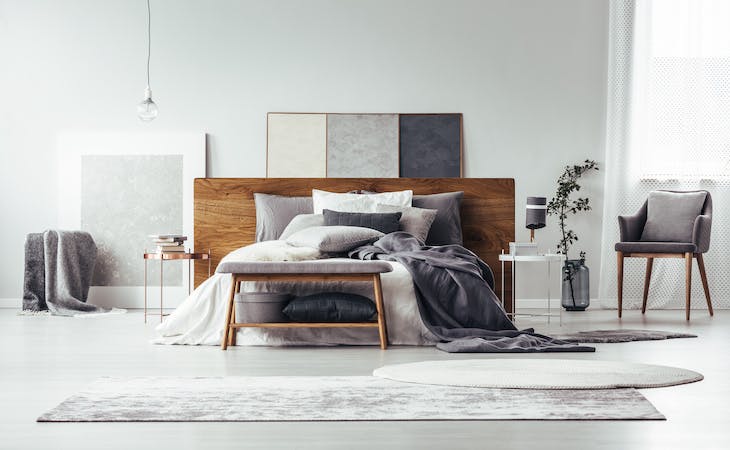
[(670, 224)]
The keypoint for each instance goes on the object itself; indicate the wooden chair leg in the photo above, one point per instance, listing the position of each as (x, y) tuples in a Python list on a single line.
[(703, 275), (688, 282), (382, 329), (620, 272), (647, 280), (229, 313)]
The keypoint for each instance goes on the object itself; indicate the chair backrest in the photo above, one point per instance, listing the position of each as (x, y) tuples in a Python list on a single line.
[(669, 224), (706, 207)]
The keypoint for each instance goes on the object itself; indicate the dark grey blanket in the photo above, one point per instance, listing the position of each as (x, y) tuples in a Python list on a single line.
[(58, 270), (454, 291)]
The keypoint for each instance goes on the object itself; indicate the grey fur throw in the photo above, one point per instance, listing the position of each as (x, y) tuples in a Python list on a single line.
[(58, 270)]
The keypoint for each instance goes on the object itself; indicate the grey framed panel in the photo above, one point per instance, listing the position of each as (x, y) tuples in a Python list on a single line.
[(430, 145), (362, 145)]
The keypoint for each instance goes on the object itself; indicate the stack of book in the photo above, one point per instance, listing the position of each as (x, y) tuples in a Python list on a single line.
[(169, 243)]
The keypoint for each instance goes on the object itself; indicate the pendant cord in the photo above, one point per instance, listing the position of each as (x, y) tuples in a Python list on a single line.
[(149, 42)]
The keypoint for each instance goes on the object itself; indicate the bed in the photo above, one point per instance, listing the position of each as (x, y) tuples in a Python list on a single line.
[(225, 218), (225, 223)]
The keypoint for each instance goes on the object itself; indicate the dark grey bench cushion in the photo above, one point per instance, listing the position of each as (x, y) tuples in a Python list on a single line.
[(332, 265), (655, 247)]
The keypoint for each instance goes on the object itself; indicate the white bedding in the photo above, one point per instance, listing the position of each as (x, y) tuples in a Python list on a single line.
[(199, 319)]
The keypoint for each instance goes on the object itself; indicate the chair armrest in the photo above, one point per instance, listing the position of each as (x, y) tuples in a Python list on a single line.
[(630, 227), (701, 233)]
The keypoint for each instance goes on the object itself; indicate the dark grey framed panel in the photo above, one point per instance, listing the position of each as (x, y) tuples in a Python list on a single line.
[(430, 145)]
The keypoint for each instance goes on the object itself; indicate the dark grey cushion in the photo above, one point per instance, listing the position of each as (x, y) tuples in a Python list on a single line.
[(274, 212), (655, 247), (383, 222), (331, 307), (414, 221), (670, 216), (446, 227)]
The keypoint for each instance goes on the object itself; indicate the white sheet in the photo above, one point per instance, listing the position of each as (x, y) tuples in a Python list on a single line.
[(199, 319)]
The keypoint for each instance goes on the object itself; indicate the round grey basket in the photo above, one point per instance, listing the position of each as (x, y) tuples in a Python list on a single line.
[(261, 307)]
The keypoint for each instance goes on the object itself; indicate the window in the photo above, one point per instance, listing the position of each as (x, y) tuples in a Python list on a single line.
[(683, 116)]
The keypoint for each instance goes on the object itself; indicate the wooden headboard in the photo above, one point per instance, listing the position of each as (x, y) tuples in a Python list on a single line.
[(225, 217)]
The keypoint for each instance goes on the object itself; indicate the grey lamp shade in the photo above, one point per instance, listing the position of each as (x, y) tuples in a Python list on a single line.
[(535, 214)]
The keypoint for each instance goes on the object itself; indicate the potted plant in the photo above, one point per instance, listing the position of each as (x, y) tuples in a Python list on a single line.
[(576, 293)]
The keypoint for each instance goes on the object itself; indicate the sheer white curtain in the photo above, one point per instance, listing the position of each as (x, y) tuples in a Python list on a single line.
[(668, 127)]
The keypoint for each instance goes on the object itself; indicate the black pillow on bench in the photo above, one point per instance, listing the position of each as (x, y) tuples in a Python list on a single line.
[(383, 222), (331, 307)]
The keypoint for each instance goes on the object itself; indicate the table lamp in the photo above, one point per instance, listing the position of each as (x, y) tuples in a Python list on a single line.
[(535, 214)]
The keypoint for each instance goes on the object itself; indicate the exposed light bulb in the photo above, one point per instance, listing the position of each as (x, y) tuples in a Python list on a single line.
[(147, 109)]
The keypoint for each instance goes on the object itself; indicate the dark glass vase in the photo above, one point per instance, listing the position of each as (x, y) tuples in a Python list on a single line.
[(576, 288)]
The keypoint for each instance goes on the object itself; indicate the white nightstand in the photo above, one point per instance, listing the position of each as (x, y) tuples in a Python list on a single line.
[(548, 259)]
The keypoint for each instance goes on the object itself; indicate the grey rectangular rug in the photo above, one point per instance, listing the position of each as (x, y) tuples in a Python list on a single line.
[(287, 399)]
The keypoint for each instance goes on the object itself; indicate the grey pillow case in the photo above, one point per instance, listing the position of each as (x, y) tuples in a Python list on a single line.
[(331, 307), (383, 222), (446, 227), (274, 212), (301, 222), (414, 221), (670, 216), (334, 239)]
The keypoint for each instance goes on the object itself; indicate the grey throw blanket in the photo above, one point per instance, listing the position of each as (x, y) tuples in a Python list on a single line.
[(455, 298), (58, 270)]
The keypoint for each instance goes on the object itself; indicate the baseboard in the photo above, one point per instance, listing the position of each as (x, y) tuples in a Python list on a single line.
[(15, 303)]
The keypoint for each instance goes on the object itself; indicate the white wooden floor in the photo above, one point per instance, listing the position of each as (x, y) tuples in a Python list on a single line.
[(45, 359)]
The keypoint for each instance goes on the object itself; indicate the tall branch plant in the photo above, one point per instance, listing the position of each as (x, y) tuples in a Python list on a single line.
[(562, 205)]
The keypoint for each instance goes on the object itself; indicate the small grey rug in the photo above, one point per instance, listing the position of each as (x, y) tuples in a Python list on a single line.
[(289, 399), (614, 336)]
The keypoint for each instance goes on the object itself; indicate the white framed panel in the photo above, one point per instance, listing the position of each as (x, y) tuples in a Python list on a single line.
[(296, 145), (121, 187)]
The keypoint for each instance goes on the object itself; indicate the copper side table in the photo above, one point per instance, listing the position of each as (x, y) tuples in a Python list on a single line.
[(167, 257)]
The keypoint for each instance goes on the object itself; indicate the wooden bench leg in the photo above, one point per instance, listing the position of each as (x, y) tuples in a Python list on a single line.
[(229, 314), (382, 329), (234, 331)]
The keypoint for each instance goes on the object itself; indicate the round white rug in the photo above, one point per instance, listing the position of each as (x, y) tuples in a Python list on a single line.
[(538, 374)]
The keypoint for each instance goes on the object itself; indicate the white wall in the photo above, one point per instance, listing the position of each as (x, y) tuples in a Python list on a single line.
[(529, 77)]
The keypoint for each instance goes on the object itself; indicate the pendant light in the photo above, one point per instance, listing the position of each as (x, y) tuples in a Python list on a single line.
[(147, 109)]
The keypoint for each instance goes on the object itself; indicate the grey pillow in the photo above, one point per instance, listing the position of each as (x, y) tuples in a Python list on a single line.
[(334, 239), (331, 307), (383, 222), (415, 221), (301, 222), (446, 227), (670, 216), (274, 212)]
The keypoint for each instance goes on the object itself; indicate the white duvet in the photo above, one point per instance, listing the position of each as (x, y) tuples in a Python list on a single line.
[(199, 319)]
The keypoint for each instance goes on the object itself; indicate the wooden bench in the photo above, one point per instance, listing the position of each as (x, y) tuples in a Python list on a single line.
[(305, 271)]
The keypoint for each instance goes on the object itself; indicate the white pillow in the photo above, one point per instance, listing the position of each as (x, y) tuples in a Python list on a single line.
[(346, 202), (334, 239)]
